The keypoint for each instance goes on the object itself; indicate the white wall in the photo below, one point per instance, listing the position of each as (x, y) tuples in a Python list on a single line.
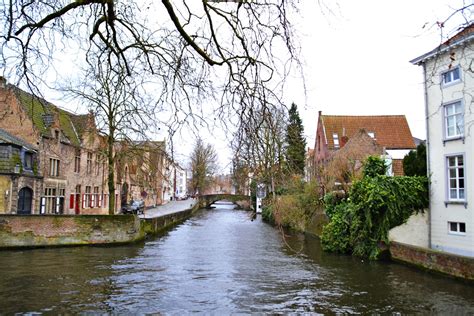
[(437, 96), (414, 232)]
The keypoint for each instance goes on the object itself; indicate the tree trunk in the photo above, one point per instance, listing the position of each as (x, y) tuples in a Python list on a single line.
[(111, 174)]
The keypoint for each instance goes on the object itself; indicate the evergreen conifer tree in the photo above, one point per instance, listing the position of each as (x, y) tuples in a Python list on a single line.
[(295, 142)]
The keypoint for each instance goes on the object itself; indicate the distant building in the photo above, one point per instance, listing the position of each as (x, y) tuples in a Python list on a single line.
[(221, 184), (390, 132), (449, 91), (139, 172), (175, 180)]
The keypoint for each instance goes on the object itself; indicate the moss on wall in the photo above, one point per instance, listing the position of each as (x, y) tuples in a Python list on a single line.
[(5, 183), (31, 231)]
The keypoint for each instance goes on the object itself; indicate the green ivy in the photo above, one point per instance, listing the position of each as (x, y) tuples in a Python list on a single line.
[(267, 214), (374, 166), (16, 160), (375, 204), (35, 167)]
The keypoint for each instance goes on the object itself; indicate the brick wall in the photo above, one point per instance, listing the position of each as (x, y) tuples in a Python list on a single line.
[(62, 230), (454, 265)]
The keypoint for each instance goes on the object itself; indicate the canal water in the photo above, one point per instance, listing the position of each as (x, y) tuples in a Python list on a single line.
[(221, 261)]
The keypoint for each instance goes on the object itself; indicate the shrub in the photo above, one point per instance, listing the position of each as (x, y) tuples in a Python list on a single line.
[(376, 204), (336, 234), (374, 166), (294, 210)]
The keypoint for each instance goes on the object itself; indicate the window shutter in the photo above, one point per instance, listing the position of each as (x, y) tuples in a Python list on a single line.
[(71, 201)]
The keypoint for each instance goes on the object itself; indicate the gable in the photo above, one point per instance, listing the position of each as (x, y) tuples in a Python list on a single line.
[(465, 35), (44, 115), (389, 131)]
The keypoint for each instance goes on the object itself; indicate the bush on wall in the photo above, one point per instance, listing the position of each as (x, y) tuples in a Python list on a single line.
[(376, 204)]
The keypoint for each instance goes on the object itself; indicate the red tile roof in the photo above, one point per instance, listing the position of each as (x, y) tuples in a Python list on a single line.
[(391, 131)]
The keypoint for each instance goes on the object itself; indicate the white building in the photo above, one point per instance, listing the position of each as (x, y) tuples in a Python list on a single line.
[(449, 90), (181, 180), (174, 181)]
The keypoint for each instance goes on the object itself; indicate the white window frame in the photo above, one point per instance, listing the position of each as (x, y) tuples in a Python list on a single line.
[(456, 178), (457, 115), (458, 228), (335, 138), (450, 75)]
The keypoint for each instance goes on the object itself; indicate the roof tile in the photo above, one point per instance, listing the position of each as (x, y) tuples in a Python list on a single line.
[(391, 131)]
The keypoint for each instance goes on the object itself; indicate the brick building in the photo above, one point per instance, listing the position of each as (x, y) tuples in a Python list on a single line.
[(139, 172), (20, 182), (67, 150), (390, 132)]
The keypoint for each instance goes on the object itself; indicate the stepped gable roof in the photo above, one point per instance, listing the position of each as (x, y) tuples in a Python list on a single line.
[(390, 131), (465, 35), (43, 115), (7, 138)]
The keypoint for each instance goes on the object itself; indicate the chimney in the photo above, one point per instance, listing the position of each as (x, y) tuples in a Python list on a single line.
[(344, 140), (3, 82)]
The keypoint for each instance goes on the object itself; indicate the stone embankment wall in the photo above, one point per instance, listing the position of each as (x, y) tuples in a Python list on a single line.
[(30, 231), (454, 265), (62, 230), (152, 226), (409, 243)]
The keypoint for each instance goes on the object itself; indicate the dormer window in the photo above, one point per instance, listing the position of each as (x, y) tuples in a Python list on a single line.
[(451, 76), (335, 137), (56, 134), (28, 162), (371, 134)]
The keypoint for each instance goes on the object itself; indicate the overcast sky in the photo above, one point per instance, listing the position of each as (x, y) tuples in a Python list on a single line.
[(356, 56)]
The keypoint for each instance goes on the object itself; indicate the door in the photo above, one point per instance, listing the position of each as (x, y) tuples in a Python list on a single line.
[(25, 197)]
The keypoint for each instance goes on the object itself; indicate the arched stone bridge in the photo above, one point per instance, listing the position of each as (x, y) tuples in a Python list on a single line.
[(243, 201)]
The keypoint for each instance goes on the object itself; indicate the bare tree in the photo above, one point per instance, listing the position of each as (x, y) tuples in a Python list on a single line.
[(259, 145), (203, 166), (233, 52), (123, 113)]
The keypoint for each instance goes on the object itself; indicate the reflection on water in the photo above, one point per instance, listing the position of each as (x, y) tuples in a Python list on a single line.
[(220, 261)]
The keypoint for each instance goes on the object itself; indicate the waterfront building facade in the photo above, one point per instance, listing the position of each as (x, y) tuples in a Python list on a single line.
[(449, 91)]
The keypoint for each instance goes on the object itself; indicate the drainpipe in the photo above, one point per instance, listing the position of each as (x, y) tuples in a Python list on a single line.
[(428, 155)]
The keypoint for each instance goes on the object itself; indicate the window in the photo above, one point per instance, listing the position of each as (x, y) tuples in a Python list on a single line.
[(336, 140), (50, 200), (28, 163), (451, 76), (53, 167), (77, 164), (89, 163), (456, 183), (454, 119), (371, 134), (457, 228), (95, 200), (87, 198)]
